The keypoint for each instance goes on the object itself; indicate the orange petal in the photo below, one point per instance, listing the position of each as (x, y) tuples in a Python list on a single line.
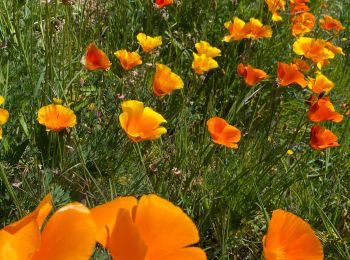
[(105, 215), (216, 126), (230, 136), (96, 59), (323, 110), (322, 138), (289, 74), (69, 234)]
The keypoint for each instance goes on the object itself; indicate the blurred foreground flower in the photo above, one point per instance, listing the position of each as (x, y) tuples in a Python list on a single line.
[(322, 138), (141, 123), (127, 59), (323, 110), (251, 75), (329, 23), (288, 74), (165, 81), (95, 59), (148, 43), (204, 47), (202, 63), (290, 237), (223, 133), (69, 234), (151, 228), (4, 115), (56, 117), (162, 3)]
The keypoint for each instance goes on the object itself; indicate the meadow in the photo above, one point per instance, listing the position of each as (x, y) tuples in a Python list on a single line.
[(228, 193)]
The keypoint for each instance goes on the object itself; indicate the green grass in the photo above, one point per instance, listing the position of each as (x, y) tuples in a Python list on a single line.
[(229, 193)]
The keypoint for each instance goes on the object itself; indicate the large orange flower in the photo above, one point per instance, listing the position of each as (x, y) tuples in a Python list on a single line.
[(251, 75), (148, 43), (162, 3), (320, 84), (204, 47), (202, 63), (274, 7), (289, 74), (139, 122), (95, 59), (322, 138), (127, 59), (152, 228), (329, 23), (290, 237), (69, 234), (323, 110), (56, 117), (303, 24), (223, 133), (235, 28), (165, 81), (254, 30)]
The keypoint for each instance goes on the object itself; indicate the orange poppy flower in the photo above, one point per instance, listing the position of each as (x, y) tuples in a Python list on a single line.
[(329, 23), (256, 30), (223, 133), (202, 63), (298, 8), (314, 49), (320, 84), (335, 49), (148, 43), (165, 81), (162, 3), (289, 74), (127, 59), (322, 138), (302, 65), (152, 228), (290, 237), (69, 234), (139, 122), (303, 24), (251, 75), (274, 6), (56, 117), (4, 114), (323, 110), (235, 28), (95, 59), (204, 47)]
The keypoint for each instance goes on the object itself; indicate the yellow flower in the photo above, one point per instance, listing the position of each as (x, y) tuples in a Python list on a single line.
[(290, 152), (202, 63), (127, 59), (139, 122), (56, 117), (235, 28), (165, 81), (204, 47), (148, 43)]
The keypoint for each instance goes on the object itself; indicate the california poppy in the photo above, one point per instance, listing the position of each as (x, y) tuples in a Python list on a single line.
[(289, 74), (69, 234), (323, 110), (320, 84), (202, 63), (141, 123), (151, 228), (274, 7), (165, 81), (298, 8), (4, 114), (322, 138), (290, 237), (56, 117), (95, 59), (162, 3), (251, 75), (204, 47), (235, 28), (148, 43), (127, 59), (303, 23), (223, 133), (328, 23), (254, 30), (302, 65)]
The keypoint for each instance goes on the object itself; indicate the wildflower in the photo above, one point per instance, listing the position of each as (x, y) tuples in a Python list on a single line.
[(289, 74), (256, 30), (204, 47), (148, 43), (290, 237), (298, 8), (151, 228), (302, 65), (303, 24), (251, 75), (290, 152), (56, 117), (323, 110), (320, 84), (95, 59), (335, 49), (165, 81), (139, 122), (322, 138), (274, 7), (127, 59), (202, 63), (4, 115), (223, 133), (235, 28), (329, 23), (69, 234), (162, 3)]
